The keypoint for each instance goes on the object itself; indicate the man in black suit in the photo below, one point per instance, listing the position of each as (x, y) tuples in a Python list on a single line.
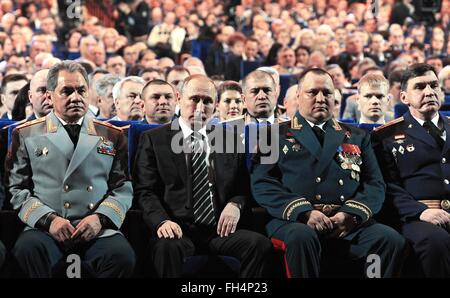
[(192, 194)]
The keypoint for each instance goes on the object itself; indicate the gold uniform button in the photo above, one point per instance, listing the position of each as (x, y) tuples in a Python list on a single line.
[(318, 179), (66, 188), (445, 204), (318, 197), (342, 198), (91, 206), (444, 160), (341, 182), (446, 181), (67, 205), (89, 188)]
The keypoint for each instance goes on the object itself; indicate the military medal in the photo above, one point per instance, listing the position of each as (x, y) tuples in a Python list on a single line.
[(285, 149), (296, 147), (291, 140), (352, 159), (38, 152), (399, 139), (410, 148)]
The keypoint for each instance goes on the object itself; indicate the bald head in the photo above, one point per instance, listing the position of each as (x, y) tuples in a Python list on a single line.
[(38, 94)]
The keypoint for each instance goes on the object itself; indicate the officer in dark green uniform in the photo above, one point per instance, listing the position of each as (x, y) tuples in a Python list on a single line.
[(326, 184)]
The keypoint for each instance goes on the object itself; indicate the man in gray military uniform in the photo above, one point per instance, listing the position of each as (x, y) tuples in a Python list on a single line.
[(67, 174)]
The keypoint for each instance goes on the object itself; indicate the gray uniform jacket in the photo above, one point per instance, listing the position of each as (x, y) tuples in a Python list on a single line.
[(47, 174)]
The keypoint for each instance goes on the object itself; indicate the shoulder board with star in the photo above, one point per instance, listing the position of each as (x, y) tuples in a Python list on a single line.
[(24, 123), (107, 124), (390, 123)]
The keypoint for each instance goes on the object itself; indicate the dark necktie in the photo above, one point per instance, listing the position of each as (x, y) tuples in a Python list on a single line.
[(201, 193), (74, 132), (435, 132), (320, 134)]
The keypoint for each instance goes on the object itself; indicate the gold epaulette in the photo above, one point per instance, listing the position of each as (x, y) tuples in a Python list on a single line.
[(392, 122), (104, 123), (24, 123), (233, 119)]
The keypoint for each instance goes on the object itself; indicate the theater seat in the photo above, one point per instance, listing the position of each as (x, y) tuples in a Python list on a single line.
[(368, 126), (399, 110), (348, 121)]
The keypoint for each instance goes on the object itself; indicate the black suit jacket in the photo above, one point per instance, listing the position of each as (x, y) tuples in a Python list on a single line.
[(163, 178)]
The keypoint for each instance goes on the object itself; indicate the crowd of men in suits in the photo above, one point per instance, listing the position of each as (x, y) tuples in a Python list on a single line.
[(385, 193)]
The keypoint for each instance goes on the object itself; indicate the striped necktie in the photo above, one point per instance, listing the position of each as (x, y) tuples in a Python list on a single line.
[(202, 195)]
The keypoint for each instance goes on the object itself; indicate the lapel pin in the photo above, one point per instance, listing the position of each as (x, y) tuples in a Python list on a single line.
[(296, 147), (38, 152), (45, 151), (410, 148), (285, 149)]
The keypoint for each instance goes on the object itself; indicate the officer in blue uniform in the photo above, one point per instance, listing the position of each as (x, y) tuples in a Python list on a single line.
[(413, 153), (325, 185)]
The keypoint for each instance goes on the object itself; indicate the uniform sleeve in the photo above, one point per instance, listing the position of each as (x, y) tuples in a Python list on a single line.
[(120, 193), (20, 185), (405, 205), (371, 193), (269, 192)]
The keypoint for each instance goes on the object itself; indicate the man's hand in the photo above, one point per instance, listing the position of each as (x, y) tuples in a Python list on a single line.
[(318, 221), (170, 229), (61, 229), (343, 223), (87, 228), (228, 220), (437, 217)]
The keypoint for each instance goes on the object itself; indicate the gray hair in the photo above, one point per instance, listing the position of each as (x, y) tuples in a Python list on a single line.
[(118, 86), (67, 65), (101, 86)]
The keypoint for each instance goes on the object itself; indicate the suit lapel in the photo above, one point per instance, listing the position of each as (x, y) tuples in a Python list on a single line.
[(334, 136), (304, 134), (179, 159), (58, 136), (415, 130), (446, 121), (87, 141)]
